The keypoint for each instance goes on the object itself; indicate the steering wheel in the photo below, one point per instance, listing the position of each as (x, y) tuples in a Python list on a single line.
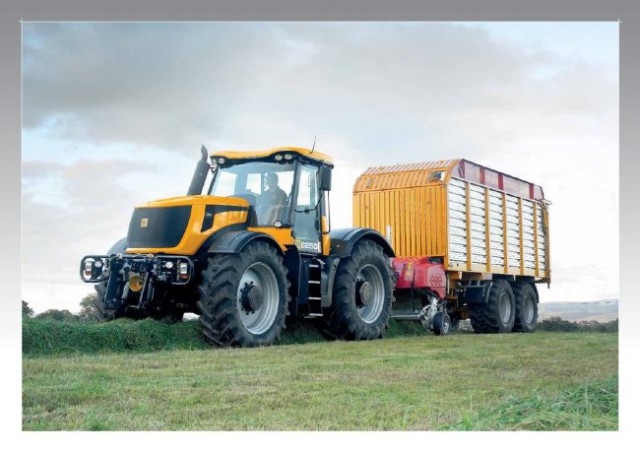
[(249, 196)]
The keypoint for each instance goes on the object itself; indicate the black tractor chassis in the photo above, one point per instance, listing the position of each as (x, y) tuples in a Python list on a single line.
[(135, 281)]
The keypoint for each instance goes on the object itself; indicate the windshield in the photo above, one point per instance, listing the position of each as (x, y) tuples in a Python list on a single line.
[(266, 185)]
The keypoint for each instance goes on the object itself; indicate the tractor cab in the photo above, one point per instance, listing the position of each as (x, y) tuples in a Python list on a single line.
[(287, 190)]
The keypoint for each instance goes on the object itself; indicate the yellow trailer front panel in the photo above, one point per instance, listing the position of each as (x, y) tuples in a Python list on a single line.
[(413, 220)]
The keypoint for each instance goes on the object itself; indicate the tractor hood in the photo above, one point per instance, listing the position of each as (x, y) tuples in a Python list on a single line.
[(190, 200), (180, 225)]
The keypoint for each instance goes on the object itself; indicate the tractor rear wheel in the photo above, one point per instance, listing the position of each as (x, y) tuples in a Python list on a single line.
[(497, 315), (362, 294), (526, 308), (244, 297)]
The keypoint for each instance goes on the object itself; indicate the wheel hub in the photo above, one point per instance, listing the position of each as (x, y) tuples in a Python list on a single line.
[(251, 297), (365, 293)]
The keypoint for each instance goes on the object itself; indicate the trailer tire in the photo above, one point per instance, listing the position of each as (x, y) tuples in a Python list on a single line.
[(497, 315), (441, 324), (244, 297), (362, 294), (526, 302)]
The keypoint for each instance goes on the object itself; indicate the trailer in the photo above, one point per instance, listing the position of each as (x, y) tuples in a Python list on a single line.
[(470, 242)]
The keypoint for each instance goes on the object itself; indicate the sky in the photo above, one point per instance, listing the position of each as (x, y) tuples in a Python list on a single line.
[(114, 115)]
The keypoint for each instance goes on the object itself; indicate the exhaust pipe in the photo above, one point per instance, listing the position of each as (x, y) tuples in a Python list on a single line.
[(200, 174)]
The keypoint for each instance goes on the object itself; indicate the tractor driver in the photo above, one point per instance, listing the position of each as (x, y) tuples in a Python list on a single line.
[(271, 199)]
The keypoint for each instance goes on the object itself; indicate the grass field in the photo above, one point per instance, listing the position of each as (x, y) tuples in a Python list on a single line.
[(541, 381)]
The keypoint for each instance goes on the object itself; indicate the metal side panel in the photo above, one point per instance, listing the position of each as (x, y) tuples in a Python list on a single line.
[(542, 239), (496, 229), (478, 227), (528, 244), (457, 224), (524, 232), (513, 231)]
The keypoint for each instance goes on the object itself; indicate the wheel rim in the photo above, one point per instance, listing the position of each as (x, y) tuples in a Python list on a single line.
[(369, 293), (504, 305), (528, 310), (263, 281), (446, 324)]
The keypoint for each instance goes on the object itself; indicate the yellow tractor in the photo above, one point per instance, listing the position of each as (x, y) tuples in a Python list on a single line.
[(249, 245)]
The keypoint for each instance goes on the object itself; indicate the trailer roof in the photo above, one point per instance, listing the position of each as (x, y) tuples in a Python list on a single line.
[(436, 172)]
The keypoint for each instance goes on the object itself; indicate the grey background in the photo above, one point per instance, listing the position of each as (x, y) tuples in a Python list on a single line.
[(12, 12)]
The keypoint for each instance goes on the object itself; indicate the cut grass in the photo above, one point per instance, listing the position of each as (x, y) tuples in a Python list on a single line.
[(456, 382), (50, 337), (590, 406)]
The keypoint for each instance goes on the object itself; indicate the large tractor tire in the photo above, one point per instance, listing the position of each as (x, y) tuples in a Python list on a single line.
[(102, 314), (497, 315), (244, 297), (362, 294), (526, 308)]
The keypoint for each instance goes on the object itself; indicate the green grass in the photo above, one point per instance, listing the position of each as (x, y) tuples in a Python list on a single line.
[(548, 381), (590, 406), (50, 337)]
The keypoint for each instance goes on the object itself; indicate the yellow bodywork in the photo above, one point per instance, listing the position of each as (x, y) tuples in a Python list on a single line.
[(315, 155), (423, 211), (193, 237)]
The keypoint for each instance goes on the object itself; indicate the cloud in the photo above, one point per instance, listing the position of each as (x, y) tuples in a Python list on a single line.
[(171, 85)]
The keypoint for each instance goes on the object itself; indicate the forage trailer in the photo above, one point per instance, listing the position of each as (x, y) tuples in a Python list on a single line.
[(471, 242)]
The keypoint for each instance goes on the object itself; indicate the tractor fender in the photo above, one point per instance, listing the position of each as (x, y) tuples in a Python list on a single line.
[(233, 242), (119, 247), (344, 240)]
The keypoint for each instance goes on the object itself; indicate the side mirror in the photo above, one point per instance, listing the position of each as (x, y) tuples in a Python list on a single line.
[(325, 178)]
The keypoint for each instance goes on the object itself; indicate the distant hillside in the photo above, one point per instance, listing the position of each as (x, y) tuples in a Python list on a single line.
[(601, 310)]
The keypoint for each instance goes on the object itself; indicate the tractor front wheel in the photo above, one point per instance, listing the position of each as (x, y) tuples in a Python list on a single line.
[(101, 313), (244, 297)]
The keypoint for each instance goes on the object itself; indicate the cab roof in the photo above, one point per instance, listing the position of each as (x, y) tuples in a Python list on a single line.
[(304, 152)]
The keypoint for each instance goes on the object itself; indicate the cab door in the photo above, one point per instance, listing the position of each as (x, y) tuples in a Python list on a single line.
[(306, 212)]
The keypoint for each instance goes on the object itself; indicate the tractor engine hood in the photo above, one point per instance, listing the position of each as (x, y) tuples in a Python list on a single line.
[(180, 225)]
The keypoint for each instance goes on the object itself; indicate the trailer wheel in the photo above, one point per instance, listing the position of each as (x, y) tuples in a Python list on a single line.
[(244, 297), (441, 324), (363, 293), (526, 308), (497, 315)]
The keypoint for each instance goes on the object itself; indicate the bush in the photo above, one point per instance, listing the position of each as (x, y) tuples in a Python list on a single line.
[(58, 315), (26, 310), (559, 325)]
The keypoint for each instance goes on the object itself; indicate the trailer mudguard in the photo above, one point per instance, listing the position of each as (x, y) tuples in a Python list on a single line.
[(233, 242), (344, 240)]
